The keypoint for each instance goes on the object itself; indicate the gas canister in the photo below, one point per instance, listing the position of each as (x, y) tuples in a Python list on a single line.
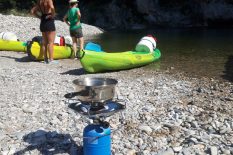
[(97, 140)]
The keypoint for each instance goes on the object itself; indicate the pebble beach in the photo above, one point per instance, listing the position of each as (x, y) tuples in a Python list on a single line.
[(166, 113)]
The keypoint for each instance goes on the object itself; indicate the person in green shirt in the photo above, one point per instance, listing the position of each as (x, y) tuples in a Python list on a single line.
[(72, 18)]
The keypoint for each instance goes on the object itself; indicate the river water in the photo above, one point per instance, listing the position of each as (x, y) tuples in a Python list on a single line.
[(195, 52)]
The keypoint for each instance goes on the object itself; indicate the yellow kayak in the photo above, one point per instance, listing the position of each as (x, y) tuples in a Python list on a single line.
[(17, 46), (60, 52)]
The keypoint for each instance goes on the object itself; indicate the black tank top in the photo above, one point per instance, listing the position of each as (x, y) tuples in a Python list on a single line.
[(44, 15)]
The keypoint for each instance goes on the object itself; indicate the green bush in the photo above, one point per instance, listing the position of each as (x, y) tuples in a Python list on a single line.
[(22, 7)]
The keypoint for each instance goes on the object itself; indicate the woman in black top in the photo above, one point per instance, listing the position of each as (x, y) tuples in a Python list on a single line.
[(47, 26)]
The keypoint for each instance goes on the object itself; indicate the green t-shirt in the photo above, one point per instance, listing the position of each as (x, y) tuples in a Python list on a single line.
[(73, 18)]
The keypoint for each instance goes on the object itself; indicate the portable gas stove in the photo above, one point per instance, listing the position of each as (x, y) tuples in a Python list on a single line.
[(95, 101)]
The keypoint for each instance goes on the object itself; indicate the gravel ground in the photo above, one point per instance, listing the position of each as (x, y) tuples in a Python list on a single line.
[(27, 27), (166, 114)]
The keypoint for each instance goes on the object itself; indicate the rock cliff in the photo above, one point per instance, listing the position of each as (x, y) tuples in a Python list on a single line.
[(135, 14)]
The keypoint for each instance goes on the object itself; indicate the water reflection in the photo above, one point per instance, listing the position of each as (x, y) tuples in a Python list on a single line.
[(197, 52), (228, 73)]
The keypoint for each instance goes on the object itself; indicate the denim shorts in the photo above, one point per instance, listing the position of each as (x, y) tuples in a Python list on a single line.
[(77, 33)]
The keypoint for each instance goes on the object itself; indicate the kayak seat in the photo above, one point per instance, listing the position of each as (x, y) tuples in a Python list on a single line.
[(93, 47)]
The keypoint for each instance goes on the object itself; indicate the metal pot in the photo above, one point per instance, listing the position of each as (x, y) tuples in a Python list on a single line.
[(95, 89)]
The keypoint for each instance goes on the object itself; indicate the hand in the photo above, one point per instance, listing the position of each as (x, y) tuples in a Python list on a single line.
[(49, 17), (67, 22), (38, 14)]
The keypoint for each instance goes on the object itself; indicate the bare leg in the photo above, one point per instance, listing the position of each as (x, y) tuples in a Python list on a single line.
[(74, 46), (43, 48), (81, 43), (51, 37)]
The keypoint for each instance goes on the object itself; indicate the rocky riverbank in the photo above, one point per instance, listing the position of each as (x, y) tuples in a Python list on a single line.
[(28, 27), (166, 114)]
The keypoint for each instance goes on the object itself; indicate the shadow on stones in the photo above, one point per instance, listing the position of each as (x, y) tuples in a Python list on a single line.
[(23, 59), (50, 143), (79, 71), (228, 73)]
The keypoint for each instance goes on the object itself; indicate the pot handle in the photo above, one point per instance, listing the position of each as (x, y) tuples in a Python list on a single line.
[(71, 95)]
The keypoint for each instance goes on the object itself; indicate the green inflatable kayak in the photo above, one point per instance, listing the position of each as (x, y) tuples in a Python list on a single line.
[(17, 46), (99, 61)]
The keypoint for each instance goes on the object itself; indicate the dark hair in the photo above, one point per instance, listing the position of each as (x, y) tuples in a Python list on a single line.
[(73, 3)]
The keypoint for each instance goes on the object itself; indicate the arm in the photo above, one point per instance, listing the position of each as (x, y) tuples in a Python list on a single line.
[(51, 6), (79, 16), (34, 11), (65, 19)]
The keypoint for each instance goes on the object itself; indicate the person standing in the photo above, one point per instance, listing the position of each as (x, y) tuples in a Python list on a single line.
[(72, 18), (47, 27)]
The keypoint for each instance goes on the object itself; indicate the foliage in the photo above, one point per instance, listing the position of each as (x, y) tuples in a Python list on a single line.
[(16, 4), (23, 6)]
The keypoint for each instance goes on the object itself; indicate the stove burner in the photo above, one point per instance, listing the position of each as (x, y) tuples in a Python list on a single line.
[(97, 108), (93, 112)]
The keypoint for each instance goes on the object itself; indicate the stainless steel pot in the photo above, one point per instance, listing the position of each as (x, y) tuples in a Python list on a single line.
[(95, 89)]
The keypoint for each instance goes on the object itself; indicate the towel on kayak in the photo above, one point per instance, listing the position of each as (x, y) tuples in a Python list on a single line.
[(93, 47)]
